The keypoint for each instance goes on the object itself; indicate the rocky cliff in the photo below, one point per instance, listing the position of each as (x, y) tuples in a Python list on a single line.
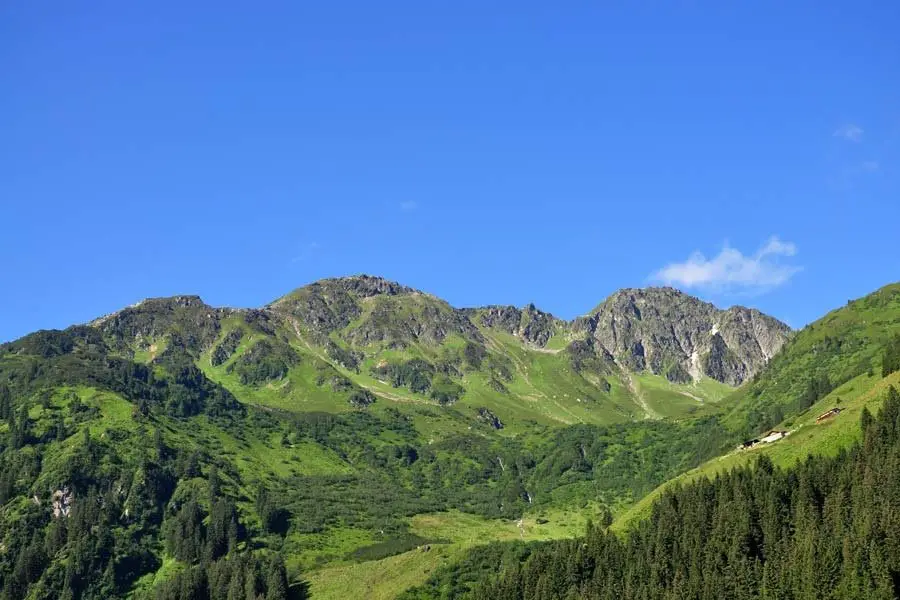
[(668, 332)]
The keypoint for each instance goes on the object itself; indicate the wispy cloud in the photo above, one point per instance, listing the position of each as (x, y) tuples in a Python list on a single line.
[(307, 252), (409, 205), (732, 271), (849, 132)]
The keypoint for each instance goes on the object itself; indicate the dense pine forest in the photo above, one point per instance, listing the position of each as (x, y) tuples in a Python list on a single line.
[(827, 528)]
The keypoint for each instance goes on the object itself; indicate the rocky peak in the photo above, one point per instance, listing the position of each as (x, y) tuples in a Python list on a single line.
[(671, 333), (386, 312), (529, 323), (197, 322), (365, 286)]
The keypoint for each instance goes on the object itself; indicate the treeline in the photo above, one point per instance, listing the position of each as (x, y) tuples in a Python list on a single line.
[(93, 535), (828, 528), (243, 576), (890, 363), (80, 356)]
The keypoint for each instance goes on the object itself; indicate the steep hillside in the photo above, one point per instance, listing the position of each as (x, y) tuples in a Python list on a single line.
[(824, 528), (172, 447), (845, 343), (836, 362), (824, 386)]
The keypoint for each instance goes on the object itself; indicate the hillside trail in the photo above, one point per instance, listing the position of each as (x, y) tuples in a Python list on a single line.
[(690, 395), (545, 350), (635, 390)]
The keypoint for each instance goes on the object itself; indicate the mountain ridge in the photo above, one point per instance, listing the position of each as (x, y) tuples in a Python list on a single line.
[(740, 339)]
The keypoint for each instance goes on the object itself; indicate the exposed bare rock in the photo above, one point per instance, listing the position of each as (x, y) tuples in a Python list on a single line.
[(674, 334), (61, 502), (530, 324), (197, 322), (487, 416)]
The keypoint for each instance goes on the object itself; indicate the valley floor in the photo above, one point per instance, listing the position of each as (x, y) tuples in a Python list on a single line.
[(385, 578)]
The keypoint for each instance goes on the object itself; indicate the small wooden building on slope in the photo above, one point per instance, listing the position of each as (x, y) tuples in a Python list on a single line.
[(828, 415)]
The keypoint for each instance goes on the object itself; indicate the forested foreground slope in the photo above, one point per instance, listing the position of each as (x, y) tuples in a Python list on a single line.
[(826, 528)]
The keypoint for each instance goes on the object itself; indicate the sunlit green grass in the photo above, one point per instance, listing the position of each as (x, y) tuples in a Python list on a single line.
[(388, 577), (806, 437)]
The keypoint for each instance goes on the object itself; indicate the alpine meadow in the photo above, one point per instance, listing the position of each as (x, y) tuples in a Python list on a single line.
[(449, 300), (360, 438)]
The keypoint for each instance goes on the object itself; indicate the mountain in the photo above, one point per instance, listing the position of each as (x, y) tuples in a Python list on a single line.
[(842, 360), (340, 342), (848, 360), (671, 333), (173, 448)]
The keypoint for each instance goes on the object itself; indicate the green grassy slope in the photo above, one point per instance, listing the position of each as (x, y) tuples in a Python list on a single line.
[(806, 437), (846, 348), (456, 532), (845, 343)]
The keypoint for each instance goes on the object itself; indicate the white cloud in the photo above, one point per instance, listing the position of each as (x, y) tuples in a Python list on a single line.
[(731, 270), (408, 205), (849, 132)]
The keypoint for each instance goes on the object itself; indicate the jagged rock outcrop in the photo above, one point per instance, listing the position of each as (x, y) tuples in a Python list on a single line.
[(530, 324), (196, 321), (584, 354), (387, 312), (398, 323), (661, 330), (487, 416), (679, 336)]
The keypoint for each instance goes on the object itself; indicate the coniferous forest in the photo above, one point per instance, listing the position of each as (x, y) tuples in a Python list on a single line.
[(827, 528)]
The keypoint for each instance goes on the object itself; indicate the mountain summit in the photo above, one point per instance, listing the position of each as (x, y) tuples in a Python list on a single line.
[(671, 333), (351, 320)]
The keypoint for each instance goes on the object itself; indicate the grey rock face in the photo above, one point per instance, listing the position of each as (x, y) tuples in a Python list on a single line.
[(430, 321), (530, 324), (490, 418), (673, 334), (154, 317), (397, 316)]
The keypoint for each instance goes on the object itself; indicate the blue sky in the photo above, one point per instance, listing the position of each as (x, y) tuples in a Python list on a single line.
[(485, 152)]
